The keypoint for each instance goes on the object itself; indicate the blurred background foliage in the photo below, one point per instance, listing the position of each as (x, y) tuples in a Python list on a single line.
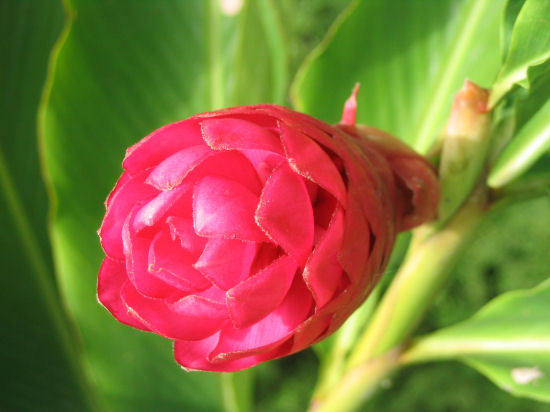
[(42, 346)]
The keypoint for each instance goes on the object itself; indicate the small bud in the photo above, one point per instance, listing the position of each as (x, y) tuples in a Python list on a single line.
[(465, 146)]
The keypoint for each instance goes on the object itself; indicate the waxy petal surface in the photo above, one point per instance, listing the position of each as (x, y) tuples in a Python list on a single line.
[(226, 262), (170, 263), (308, 159), (256, 297), (323, 273), (285, 212), (224, 208), (173, 170), (112, 276), (150, 213), (136, 251), (250, 233), (190, 318), (230, 165), (162, 143), (264, 162), (181, 228), (356, 243), (234, 134), (271, 330), (120, 204), (193, 355)]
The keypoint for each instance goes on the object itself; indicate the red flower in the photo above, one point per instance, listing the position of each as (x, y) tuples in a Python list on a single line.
[(251, 233)]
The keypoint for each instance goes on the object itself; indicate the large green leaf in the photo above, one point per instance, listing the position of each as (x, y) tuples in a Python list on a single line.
[(38, 349), (410, 57), (529, 44), (123, 69), (508, 340)]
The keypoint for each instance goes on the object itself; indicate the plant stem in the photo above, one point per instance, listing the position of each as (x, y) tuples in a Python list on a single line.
[(427, 265), (237, 391), (333, 364), (358, 384), (429, 261)]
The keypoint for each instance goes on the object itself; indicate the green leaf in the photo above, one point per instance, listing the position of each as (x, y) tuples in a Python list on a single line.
[(533, 183), (532, 141), (532, 138), (530, 100), (410, 57), (511, 12), (508, 340), (39, 352), (260, 67), (124, 69), (529, 45)]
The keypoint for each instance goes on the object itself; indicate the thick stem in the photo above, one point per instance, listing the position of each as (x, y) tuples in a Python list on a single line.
[(424, 271), (333, 364), (430, 258), (237, 391), (358, 384), (433, 251)]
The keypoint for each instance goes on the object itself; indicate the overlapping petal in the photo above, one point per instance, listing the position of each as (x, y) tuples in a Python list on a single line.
[(189, 318), (285, 212), (323, 272), (171, 171), (119, 205), (112, 277), (265, 334), (226, 262), (309, 160), (136, 252), (225, 208), (170, 263), (250, 233), (231, 133), (256, 297), (162, 143)]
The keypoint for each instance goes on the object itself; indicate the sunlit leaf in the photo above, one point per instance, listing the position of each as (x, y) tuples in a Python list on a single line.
[(124, 69), (511, 12), (410, 57), (532, 136), (529, 45), (508, 340), (532, 141)]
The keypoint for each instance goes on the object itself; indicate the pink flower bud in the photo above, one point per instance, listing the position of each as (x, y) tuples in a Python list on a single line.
[(251, 233)]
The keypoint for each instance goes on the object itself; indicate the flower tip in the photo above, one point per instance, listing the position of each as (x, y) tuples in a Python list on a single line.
[(469, 110), (473, 96), (350, 107)]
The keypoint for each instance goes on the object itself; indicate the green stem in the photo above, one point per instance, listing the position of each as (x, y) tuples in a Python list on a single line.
[(429, 260), (237, 391), (425, 269), (333, 364), (358, 384)]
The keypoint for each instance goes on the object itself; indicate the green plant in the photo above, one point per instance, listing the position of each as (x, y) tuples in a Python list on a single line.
[(120, 69)]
